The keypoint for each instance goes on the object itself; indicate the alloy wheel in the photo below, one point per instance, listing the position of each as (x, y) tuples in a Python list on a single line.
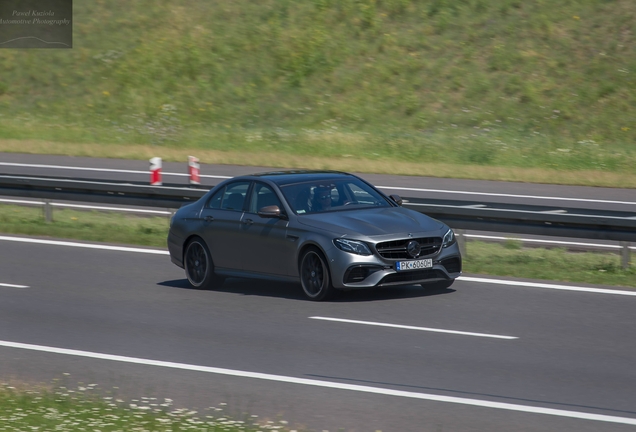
[(197, 263)]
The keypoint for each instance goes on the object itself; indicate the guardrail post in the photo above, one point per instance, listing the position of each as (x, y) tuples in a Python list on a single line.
[(625, 252), (461, 241), (48, 211), (155, 171), (194, 170)]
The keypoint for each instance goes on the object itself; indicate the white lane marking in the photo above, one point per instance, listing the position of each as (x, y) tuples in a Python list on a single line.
[(539, 197), (13, 286), (104, 170), (558, 242), (132, 210), (326, 384), (89, 207), (406, 327), (165, 252), (382, 187), (13, 201), (84, 245), (545, 285)]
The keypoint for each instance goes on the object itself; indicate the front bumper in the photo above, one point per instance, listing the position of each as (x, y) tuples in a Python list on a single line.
[(356, 271)]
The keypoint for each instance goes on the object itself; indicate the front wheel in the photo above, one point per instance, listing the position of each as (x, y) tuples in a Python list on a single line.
[(314, 276), (199, 267)]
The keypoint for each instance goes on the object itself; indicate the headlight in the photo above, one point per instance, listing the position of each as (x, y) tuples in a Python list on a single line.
[(449, 238), (352, 246)]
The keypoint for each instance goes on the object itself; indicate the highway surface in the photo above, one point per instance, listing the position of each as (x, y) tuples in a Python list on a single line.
[(481, 356), (477, 357)]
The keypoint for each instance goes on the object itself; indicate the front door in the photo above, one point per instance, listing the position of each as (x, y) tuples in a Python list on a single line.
[(270, 251)]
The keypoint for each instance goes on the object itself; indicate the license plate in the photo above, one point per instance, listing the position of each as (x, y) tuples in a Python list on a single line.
[(414, 265)]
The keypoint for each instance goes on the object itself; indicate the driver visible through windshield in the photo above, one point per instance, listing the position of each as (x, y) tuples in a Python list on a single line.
[(330, 195)]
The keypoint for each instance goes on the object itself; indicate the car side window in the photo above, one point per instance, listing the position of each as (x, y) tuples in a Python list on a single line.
[(215, 201), (263, 196), (231, 197)]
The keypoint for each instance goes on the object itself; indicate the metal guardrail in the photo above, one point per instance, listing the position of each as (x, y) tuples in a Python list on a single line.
[(99, 191), (461, 215), (537, 220)]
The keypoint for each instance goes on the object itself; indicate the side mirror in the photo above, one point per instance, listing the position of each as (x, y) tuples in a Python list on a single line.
[(396, 198), (272, 211)]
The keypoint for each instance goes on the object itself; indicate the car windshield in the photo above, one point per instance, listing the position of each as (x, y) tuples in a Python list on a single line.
[(331, 195)]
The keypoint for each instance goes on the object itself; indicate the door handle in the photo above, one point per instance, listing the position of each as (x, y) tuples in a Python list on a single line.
[(248, 221), (209, 218)]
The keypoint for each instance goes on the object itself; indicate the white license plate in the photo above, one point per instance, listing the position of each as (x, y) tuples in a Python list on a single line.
[(414, 265)]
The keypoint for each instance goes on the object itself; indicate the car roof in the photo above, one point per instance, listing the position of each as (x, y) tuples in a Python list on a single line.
[(298, 176)]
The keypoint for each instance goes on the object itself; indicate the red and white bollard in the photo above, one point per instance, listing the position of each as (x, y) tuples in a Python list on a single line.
[(155, 171), (194, 169)]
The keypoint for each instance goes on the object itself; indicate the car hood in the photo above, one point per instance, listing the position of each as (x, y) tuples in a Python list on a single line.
[(372, 222)]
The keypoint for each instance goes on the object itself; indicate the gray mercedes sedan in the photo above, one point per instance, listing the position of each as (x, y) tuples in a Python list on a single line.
[(327, 230)]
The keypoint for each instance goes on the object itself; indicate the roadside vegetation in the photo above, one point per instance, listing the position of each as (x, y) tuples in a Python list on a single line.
[(510, 258), (85, 409), (554, 264), (506, 90), (93, 226)]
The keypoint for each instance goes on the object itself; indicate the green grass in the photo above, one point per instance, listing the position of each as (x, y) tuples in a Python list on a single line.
[(512, 259), (84, 409), (111, 227), (507, 259), (513, 84)]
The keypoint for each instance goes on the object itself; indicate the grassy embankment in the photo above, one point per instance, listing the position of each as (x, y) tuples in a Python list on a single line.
[(507, 90), (65, 409), (508, 259)]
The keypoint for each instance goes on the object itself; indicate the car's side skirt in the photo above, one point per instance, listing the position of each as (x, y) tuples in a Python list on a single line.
[(251, 275)]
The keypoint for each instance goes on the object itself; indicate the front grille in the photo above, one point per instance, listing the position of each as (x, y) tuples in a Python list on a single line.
[(359, 273), (396, 249), (452, 265), (412, 276)]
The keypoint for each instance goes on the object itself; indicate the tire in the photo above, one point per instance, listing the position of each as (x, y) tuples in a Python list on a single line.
[(198, 265), (315, 278), (439, 285)]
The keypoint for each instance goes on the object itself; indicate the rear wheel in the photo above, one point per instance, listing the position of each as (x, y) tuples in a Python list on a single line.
[(199, 267), (314, 276)]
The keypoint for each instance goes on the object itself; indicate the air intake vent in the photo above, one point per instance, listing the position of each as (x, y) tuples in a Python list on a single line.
[(452, 265), (359, 273), (414, 276)]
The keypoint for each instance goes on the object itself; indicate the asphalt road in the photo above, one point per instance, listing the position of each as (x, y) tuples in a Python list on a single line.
[(572, 352)]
